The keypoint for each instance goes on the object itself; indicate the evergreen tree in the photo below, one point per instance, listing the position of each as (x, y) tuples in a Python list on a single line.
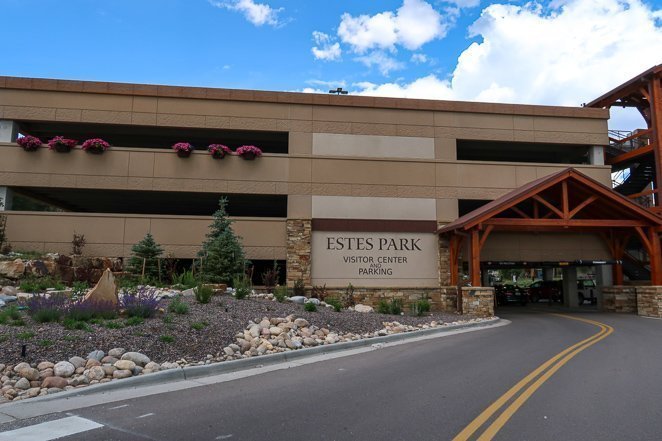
[(149, 251), (222, 254)]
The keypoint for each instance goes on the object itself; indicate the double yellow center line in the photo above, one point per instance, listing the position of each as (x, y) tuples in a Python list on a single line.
[(528, 385)]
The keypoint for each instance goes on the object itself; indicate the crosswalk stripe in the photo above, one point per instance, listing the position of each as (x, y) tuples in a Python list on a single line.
[(51, 430)]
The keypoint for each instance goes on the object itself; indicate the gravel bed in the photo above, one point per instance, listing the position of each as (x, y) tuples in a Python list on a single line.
[(224, 316)]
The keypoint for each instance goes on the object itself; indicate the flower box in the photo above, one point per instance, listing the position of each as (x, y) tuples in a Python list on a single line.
[(183, 149), (61, 144), (249, 152), (218, 151), (29, 143), (95, 145)]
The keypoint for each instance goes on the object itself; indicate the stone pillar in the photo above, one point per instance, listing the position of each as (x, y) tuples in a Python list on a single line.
[(570, 298), (299, 238), (596, 155), (619, 299), (6, 198), (478, 301), (444, 262), (649, 301), (8, 131)]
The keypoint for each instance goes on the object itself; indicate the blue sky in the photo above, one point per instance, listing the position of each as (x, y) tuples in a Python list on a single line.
[(564, 52)]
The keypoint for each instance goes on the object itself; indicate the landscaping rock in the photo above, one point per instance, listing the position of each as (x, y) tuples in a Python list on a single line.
[(91, 363), (117, 352), (45, 365), (57, 382), (20, 366), (96, 373), (8, 298), (22, 383), (104, 291), (315, 302), (64, 369), (97, 355), (297, 299), (136, 357), (363, 308), (108, 360), (9, 291), (29, 374), (122, 373), (78, 362), (125, 364), (12, 269), (152, 366)]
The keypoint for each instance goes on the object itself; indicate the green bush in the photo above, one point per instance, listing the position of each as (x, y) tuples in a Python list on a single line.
[(280, 293), (25, 335), (421, 307), (32, 284), (167, 319), (199, 326), (178, 306), (203, 293), (185, 280), (383, 307), (310, 307), (29, 285), (45, 343), (393, 307), (79, 289), (113, 325), (144, 261), (167, 338), (12, 312), (337, 304), (47, 315), (134, 321), (242, 287), (73, 324), (396, 306)]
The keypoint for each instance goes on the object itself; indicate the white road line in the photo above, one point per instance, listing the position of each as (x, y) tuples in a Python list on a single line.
[(51, 430), (146, 415), (118, 407)]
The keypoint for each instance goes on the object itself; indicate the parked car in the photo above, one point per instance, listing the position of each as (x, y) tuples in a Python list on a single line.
[(509, 293), (587, 291), (551, 290)]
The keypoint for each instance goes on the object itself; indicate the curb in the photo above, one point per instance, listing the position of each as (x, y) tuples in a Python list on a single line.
[(193, 372)]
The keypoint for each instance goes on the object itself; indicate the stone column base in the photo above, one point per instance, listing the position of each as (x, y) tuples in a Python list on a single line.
[(478, 301), (649, 301), (619, 299)]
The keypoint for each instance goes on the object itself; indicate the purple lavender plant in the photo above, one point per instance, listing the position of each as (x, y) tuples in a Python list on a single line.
[(45, 308), (143, 302)]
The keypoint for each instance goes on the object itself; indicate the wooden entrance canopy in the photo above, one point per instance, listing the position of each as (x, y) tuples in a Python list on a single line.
[(566, 201)]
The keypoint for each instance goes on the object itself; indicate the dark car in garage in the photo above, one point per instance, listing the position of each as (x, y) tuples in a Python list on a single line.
[(508, 293), (550, 290)]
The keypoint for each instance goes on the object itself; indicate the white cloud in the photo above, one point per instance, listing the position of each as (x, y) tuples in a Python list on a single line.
[(419, 58), (325, 48), (328, 84), (564, 54), (257, 13), (464, 3), (415, 23), (382, 61)]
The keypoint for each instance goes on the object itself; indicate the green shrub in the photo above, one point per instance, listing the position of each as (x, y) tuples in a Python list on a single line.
[(199, 326), (310, 307), (178, 306), (337, 305), (12, 312), (17, 322), (144, 261), (421, 307), (383, 307), (73, 324), (29, 285), (113, 325), (242, 287), (203, 294), (134, 321), (280, 293), (393, 307), (127, 283), (347, 297), (167, 338), (46, 343), (185, 280), (167, 318), (25, 335), (47, 315), (79, 289)]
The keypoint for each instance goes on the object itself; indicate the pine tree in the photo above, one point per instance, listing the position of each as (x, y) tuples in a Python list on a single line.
[(222, 254), (148, 250)]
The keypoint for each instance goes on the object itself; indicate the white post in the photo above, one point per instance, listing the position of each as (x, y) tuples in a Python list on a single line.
[(8, 131)]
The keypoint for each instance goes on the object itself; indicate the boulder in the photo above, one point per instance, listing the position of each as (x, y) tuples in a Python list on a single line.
[(301, 323), (91, 362), (116, 352), (136, 357), (29, 374), (57, 382), (45, 365), (12, 269), (96, 373), (7, 298), (64, 369), (9, 290), (97, 355), (315, 302), (20, 366), (125, 365), (363, 308), (297, 299), (37, 268), (152, 366), (23, 384), (122, 373), (108, 360), (104, 291), (78, 362)]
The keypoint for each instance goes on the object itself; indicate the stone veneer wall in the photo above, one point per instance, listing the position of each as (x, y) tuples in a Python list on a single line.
[(478, 301), (619, 298), (299, 236), (441, 299), (649, 301), (444, 262)]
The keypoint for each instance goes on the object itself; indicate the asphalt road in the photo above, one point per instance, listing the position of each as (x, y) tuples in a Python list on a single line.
[(427, 390)]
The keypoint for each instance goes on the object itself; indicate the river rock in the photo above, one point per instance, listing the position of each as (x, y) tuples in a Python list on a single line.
[(57, 382), (297, 299), (9, 291), (363, 308), (315, 302), (108, 360), (20, 366), (45, 365), (104, 291), (48, 372), (116, 352), (124, 365), (29, 374), (64, 369), (136, 357), (96, 373), (122, 373), (152, 366), (301, 323), (22, 384), (12, 269), (78, 362), (91, 363), (97, 355)]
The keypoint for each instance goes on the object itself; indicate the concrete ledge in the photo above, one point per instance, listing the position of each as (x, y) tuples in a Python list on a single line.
[(193, 372)]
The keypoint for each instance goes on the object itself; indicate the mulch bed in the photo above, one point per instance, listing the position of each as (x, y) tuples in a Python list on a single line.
[(224, 316)]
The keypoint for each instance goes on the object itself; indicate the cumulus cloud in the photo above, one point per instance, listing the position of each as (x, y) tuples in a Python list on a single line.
[(382, 61), (325, 48), (419, 58), (566, 53), (257, 13), (415, 23)]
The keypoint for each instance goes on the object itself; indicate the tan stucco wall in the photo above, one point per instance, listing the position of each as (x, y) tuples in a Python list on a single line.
[(114, 235), (535, 247)]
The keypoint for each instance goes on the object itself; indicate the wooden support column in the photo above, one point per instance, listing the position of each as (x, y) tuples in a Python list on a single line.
[(655, 257), (655, 99), (474, 263), (616, 244)]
